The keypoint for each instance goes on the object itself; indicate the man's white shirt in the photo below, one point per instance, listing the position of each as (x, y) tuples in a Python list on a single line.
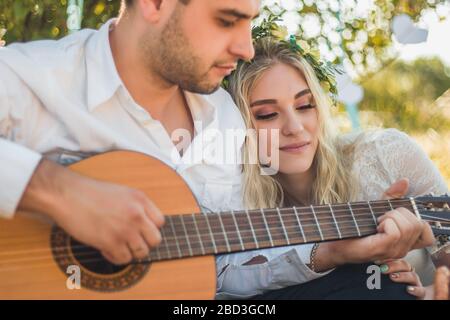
[(64, 100)]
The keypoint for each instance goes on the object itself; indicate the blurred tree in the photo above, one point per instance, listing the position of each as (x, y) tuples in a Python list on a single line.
[(355, 32), (47, 19), (402, 95)]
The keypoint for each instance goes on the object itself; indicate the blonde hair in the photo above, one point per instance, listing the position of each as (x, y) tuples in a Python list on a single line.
[(332, 178)]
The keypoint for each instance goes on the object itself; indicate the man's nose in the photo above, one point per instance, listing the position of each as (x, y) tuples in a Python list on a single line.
[(243, 46)]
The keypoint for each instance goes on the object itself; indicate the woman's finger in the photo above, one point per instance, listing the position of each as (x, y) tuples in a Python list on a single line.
[(418, 292), (410, 278), (442, 283), (397, 265)]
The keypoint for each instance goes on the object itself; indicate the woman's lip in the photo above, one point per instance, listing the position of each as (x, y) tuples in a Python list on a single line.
[(295, 147)]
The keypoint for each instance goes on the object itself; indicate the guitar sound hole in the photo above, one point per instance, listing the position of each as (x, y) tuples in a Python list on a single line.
[(93, 260)]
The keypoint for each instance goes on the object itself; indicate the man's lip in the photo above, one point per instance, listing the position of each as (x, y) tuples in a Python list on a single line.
[(294, 146), (227, 66)]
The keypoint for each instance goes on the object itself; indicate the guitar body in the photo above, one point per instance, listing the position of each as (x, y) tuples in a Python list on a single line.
[(37, 259)]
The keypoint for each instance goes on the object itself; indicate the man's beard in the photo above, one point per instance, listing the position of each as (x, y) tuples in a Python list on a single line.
[(173, 60)]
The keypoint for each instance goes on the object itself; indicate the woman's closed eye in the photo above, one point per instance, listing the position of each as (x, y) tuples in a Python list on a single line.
[(306, 107), (272, 115)]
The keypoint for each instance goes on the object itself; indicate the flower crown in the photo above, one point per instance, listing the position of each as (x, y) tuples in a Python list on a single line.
[(325, 71)]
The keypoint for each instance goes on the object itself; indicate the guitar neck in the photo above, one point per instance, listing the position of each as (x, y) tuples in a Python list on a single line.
[(218, 233)]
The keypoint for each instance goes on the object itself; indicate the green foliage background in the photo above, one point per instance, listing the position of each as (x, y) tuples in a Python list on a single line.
[(46, 19), (397, 94)]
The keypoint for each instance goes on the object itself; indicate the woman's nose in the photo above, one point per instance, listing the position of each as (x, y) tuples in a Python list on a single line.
[(292, 125)]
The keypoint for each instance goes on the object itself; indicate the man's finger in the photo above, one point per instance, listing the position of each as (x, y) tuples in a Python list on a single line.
[(150, 233), (154, 213)]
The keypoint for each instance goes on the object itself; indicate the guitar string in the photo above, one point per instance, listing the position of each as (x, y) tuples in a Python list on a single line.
[(365, 228), (269, 214), (317, 209), (304, 223), (272, 215)]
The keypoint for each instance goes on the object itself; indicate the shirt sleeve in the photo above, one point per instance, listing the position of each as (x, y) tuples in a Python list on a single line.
[(17, 163), (285, 266), (402, 157)]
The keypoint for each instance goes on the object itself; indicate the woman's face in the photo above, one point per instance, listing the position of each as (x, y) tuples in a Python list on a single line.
[(281, 99)]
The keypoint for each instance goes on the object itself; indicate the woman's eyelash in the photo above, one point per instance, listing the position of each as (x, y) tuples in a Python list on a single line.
[(274, 114), (308, 106), (266, 116)]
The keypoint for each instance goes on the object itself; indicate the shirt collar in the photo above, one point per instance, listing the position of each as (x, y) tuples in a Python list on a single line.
[(102, 77), (103, 80), (202, 110)]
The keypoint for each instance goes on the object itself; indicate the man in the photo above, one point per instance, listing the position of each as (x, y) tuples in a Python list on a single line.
[(131, 85), (118, 89)]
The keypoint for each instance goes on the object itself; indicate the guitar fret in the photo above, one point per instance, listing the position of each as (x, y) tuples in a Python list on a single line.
[(175, 237), (211, 234), (414, 206), (224, 233), (188, 241), (238, 231), (317, 222), (267, 227), (198, 234), (335, 222), (300, 224), (354, 219), (373, 215), (158, 254), (282, 224), (165, 243), (252, 229), (390, 204)]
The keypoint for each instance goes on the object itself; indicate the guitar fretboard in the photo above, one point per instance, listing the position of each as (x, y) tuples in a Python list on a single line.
[(190, 235)]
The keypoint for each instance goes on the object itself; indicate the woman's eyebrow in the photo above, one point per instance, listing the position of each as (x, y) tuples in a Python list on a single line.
[(274, 101), (302, 93)]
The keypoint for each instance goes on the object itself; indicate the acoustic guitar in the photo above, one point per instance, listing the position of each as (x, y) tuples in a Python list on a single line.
[(38, 260)]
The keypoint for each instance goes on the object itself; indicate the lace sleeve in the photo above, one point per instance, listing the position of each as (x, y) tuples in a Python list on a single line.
[(402, 157)]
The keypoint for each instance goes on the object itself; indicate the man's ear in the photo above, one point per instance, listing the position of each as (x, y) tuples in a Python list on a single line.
[(151, 9)]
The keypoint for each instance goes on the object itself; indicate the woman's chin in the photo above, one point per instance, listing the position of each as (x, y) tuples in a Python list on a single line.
[(294, 168), (293, 164)]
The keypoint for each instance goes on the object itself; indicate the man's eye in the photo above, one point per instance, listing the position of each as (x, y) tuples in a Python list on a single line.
[(226, 23), (266, 116)]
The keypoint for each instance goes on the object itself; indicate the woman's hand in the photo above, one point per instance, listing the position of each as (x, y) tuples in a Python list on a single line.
[(402, 272), (438, 291)]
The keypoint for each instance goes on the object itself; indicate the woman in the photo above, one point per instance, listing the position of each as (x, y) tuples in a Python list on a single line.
[(279, 90)]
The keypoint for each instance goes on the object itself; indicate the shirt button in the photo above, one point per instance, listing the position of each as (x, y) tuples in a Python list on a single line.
[(288, 259)]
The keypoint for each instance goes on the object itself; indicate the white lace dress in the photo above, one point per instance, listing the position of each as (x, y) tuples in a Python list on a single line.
[(384, 156)]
